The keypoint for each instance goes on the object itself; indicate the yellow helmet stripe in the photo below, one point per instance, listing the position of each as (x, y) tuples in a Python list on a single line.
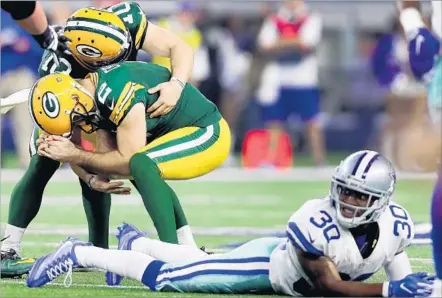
[(94, 27)]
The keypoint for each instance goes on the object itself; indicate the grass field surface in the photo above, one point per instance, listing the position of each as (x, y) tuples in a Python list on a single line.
[(224, 209)]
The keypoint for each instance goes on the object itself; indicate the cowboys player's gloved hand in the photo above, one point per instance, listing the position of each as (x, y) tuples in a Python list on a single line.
[(54, 40), (423, 48), (413, 285)]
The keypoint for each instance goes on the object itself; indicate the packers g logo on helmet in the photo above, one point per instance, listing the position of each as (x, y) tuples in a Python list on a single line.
[(98, 37), (89, 51), (57, 103), (51, 106)]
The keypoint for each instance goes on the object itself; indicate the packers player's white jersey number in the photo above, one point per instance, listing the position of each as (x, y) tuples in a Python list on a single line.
[(105, 90), (103, 94), (122, 10), (51, 65)]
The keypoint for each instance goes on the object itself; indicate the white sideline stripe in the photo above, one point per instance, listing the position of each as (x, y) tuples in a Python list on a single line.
[(216, 231), (210, 231), (232, 175), (425, 260), (198, 200)]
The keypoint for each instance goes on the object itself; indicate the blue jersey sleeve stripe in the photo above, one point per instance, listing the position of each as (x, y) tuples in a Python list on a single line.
[(293, 240), (300, 238)]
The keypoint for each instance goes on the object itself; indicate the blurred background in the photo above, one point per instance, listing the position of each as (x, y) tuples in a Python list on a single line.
[(300, 83)]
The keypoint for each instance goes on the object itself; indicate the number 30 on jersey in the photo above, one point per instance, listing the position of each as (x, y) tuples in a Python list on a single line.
[(325, 222)]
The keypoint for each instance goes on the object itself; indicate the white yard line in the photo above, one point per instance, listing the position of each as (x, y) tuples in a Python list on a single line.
[(232, 175), (42, 229), (197, 200), (57, 284), (423, 260)]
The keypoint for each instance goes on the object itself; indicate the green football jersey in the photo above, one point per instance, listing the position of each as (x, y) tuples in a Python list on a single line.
[(136, 22), (120, 86)]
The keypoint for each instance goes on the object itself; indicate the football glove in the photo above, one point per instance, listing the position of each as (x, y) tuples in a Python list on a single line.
[(423, 49), (54, 41), (413, 285)]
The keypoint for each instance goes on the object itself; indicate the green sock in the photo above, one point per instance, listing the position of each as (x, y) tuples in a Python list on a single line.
[(180, 217), (97, 208), (156, 195), (28, 192)]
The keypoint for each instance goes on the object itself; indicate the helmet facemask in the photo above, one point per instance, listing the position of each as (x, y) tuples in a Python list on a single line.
[(87, 121), (351, 216)]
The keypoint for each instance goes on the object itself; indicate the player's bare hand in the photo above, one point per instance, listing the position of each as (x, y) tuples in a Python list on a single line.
[(41, 138), (105, 185), (58, 148), (170, 92)]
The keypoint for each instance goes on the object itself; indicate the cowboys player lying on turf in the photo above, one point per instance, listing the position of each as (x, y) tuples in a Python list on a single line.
[(332, 245), (127, 30)]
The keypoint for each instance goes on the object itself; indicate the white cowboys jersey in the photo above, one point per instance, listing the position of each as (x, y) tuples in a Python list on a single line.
[(314, 228)]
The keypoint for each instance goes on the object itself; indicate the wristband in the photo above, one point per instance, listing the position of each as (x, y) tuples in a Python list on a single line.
[(175, 79), (41, 38), (385, 289), (89, 181)]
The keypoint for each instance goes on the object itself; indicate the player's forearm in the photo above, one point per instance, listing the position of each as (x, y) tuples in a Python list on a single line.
[(37, 22), (351, 289), (109, 163), (81, 173), (181, 59)]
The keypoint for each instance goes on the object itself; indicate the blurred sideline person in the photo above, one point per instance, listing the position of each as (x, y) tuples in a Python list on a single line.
[(20, 57), (233, 43), (289, 84), (425, 54), (406, 103), (183, 25)]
